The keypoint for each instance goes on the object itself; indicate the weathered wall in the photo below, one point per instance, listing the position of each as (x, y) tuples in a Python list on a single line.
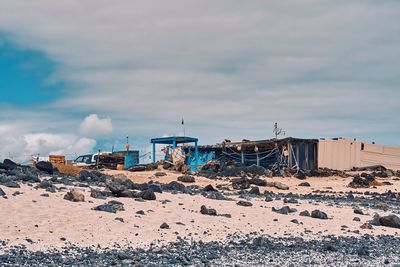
[(344, 154)]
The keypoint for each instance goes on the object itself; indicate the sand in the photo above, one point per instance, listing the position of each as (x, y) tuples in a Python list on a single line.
[(45, 220)]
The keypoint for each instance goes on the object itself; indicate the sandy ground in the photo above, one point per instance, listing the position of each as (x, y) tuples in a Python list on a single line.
[(45, 220)]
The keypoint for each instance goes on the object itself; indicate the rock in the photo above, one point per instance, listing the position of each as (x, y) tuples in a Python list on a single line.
[(8, 182), (240, 183), (94, 193), (281, 186), (45, 195), (258, 181), (214, 195), (300, 175), (148, 195), (74, 196), (111, 206), (244, 203), (51, 189), (160, 174), (208, 211), (10, 164), (305, 213), (254, 191), (390, 221), (268, 198), (119, 219), (209, 188), (358, 211), (307, 184), (2, 193), (294, 221), (290, 201), (140, 212), (164, 226), (155, 188), (356, 219), (317, 214), (116, 186), (175, 186), (45, 166), (45, 184), (186, 179), (284, 210), (367, 226)]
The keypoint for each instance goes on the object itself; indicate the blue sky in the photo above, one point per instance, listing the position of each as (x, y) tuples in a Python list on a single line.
[(232, 69), (24, 76)]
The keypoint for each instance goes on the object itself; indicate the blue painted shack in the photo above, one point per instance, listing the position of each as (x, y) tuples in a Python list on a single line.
[(294, 153)]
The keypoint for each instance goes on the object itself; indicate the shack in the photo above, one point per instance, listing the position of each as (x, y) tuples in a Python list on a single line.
[(293, 153)]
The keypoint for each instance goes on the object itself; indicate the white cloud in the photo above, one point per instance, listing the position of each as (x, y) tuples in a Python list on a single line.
[(93, 126)]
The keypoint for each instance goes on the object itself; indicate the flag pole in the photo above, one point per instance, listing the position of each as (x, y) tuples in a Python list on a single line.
[(183, 125)]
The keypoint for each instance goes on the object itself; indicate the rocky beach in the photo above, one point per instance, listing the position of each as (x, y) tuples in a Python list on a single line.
[(166, 218)]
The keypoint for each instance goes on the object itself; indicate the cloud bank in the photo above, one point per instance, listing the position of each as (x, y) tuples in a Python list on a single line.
[(231, 68)]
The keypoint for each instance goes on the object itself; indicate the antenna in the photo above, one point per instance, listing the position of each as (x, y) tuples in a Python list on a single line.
[(278, 131)]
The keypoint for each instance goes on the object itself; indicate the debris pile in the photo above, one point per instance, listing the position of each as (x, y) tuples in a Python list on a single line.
[(216, 169)]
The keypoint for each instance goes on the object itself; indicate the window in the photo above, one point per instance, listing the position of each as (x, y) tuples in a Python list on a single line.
[(362, 146)]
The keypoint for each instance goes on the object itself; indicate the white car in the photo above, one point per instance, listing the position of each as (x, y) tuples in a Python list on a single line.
[(88, 160)]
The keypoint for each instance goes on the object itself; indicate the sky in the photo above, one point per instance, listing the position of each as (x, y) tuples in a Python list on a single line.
[(76, 76)]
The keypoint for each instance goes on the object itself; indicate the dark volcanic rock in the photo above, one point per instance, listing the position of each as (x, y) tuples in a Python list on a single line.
[(140, 212), (388, 221), (148, 195), (175, 186), (209, 188), (45, 166), (358, 211), (94, 193), (254, 191), (317, 214), (111, 206), (290, 201), (45, 184), (305, 184), (117, 186), (160, 174), (305, 213), (284, 210), (10, 164), (258, 181), (214, 195), (6, 181), (244, 203), (240, 183), (164, 226), (208, 211), (300, 175), (268, 198), (2, 193), (186, 179)]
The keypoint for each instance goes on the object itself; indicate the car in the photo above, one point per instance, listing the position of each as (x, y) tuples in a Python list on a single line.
[(89, 160)]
